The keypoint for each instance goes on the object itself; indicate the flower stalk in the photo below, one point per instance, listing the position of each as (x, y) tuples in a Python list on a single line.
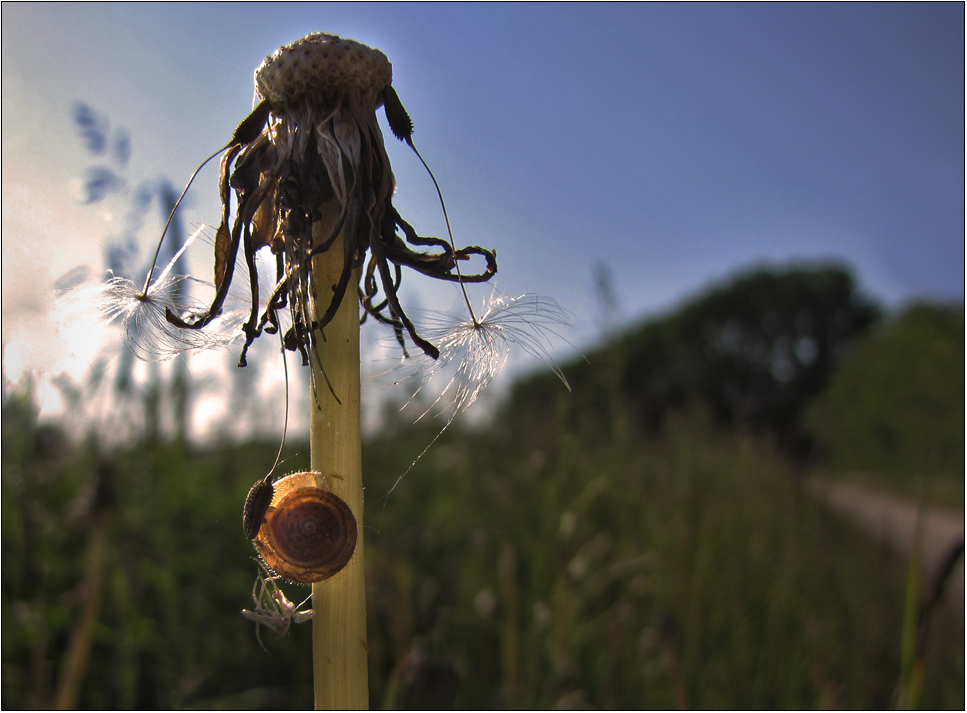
[(339, 644)]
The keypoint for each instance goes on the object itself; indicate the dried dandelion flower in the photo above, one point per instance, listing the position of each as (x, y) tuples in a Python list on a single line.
[(314, 140), (313, 145)]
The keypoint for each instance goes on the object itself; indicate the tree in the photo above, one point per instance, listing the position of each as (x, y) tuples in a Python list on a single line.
[(896, 404), (753, 351)]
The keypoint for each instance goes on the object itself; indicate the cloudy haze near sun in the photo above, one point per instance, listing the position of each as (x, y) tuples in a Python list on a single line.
[(671, 144)]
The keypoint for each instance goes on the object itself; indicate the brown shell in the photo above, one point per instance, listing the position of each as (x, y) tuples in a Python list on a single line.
[(309, 534)]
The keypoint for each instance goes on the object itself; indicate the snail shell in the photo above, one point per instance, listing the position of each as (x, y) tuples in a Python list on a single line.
[(308, 533)]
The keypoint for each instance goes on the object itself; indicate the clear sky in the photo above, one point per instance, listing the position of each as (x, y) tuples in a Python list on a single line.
[(673, 143)]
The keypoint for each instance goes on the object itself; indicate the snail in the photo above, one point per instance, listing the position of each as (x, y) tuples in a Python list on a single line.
[(301, 530)]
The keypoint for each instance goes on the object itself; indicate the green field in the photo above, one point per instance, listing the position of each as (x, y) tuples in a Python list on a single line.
[(688, 570), (645, 541)]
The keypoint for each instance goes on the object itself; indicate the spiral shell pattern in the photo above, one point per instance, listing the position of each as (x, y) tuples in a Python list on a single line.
[(309, 533)]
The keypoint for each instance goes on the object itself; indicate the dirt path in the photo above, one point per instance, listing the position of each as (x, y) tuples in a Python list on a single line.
[(892, 521)]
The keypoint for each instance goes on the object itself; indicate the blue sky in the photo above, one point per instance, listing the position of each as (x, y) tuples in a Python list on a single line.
[(673, 143)]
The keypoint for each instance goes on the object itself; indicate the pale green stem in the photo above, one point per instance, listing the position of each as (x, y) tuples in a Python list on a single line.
[(339, 644)]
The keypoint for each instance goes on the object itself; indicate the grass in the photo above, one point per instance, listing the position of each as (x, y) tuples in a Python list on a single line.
[(506, 570), (690, 570)]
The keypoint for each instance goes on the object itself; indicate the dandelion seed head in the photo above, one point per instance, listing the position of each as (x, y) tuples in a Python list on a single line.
[(140, 314), (474, 352)]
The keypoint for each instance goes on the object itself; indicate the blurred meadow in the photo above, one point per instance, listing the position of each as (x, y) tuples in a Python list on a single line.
[(644, 541), (655, 536)]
